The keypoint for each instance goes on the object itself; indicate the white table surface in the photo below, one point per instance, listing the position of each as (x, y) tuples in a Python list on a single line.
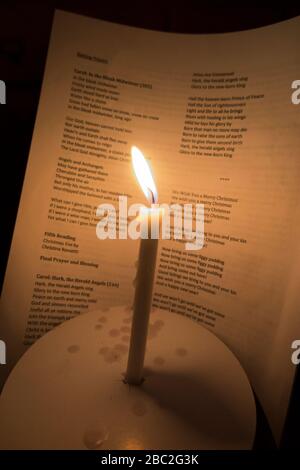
[(67, 391)]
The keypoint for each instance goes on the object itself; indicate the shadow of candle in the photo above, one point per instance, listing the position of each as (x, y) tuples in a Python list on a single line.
[(198, 404)]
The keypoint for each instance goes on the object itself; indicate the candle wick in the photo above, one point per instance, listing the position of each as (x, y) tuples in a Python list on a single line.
[(152, 196)]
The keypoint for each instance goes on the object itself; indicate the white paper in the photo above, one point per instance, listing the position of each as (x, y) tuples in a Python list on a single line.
[(214, 115)]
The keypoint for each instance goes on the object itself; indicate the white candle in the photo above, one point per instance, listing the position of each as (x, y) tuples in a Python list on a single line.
[(150, 219)]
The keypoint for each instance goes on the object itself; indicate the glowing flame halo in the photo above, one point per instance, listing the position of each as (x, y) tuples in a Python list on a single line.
[(143, 174)]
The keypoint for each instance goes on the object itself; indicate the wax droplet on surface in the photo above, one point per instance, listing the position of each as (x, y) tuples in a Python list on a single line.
[(154, 328), (94, 437), (159, 361), (114, 332), (98, 327), (132, 443), (112, 356), (103, 350), (181, 352), (139, 408), (74, 348), (122, 348), (102, 319)]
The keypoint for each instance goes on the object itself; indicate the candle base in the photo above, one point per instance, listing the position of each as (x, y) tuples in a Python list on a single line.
[(68, 390)]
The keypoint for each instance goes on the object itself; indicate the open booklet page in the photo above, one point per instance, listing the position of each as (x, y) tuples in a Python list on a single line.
[(214, 115)]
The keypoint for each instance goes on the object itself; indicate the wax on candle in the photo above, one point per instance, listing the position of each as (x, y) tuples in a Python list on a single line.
[(150, 219), (143, 296)]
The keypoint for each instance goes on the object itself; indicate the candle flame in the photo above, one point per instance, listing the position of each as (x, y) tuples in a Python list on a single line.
[(144, 175)]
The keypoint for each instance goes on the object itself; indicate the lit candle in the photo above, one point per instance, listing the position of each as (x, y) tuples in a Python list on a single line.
[(150, 219)]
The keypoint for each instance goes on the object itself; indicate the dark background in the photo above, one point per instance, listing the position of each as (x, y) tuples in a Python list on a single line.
[(24, 35)]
